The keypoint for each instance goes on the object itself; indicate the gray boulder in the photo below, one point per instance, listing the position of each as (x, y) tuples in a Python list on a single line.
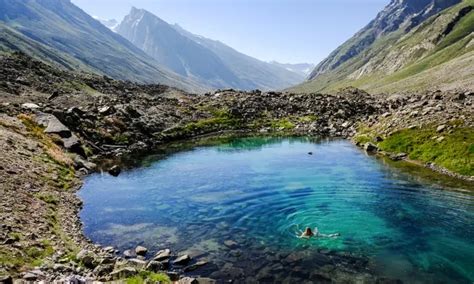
[(139, 250), (182, 260), (162, 255), (56, 127)]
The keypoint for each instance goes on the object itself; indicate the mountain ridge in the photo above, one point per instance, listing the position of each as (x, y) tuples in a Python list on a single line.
[(404, 49), (206, 60), (76, 40)]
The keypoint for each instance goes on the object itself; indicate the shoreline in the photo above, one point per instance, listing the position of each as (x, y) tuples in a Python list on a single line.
[(52, 133)]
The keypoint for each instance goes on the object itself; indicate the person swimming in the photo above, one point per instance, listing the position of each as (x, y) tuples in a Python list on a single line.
[(308, 233)]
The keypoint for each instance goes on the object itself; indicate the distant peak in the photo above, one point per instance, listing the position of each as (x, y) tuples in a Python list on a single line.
[(136, 10)]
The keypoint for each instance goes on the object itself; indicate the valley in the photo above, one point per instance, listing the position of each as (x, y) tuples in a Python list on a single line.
[(111, 120), (136, 151)]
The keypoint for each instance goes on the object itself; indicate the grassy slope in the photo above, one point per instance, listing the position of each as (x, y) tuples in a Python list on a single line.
[(455, 152), (453, 149), (451, 53)]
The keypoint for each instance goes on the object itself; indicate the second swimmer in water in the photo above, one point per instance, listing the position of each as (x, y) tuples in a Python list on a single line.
[(308, 233)]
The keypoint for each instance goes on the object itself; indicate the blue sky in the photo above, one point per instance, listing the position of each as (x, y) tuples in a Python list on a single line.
[(284, 30)]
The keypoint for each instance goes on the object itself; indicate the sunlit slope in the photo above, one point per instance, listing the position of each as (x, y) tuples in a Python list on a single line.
[(59, 32), (436, 54)]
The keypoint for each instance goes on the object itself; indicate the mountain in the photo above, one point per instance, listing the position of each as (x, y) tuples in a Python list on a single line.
[(58, 32), (410, 45), (110, 23), (207, 61), (304, 69), (256, 73)]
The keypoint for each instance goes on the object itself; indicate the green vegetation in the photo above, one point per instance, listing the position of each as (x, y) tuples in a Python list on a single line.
[(221, 120), (120, 138), (282, 124), (452, 149), (59, 174), (32, 256), (62, 172), (148, 277)]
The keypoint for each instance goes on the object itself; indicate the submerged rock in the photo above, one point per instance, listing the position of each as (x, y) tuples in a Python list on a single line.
[(195, 266), (115, 171), (182, 260), (162, 255), (231, 244)]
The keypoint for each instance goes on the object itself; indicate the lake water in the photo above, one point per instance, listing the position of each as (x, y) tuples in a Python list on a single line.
[(260, 192)]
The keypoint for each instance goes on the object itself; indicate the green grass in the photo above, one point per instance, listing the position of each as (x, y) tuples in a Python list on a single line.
[(220, 120), (32, 256), (282, 124), (148, 277), (455, 152)]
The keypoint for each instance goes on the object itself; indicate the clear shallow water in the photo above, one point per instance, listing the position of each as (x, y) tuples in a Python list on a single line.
[(260, 192)]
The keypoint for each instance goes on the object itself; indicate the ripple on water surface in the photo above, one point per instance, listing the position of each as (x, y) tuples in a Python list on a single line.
[(260, 192)]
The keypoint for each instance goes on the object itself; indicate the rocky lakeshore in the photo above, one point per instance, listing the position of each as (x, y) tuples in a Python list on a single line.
[(57, 126)]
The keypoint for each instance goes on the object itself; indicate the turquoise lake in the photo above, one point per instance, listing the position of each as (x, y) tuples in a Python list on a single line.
[(260, 192)]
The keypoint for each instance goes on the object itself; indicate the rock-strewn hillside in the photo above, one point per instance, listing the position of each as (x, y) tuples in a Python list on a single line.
[(411, 45), (56, 126)]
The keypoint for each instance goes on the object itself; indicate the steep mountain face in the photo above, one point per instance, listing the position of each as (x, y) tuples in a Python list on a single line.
[(179, 53), (398, 47), (304, 69), (201, 59), (255, 73), (57, 31)]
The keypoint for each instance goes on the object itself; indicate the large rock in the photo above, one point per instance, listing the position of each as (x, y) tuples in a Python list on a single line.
[(156, 266), (182, 260), (30, 106), (139, 250), (129, 253), (162, 255), (56, 127), (71, 143)]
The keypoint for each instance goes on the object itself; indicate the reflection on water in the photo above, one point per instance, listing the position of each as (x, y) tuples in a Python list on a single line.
[(259, 192)]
